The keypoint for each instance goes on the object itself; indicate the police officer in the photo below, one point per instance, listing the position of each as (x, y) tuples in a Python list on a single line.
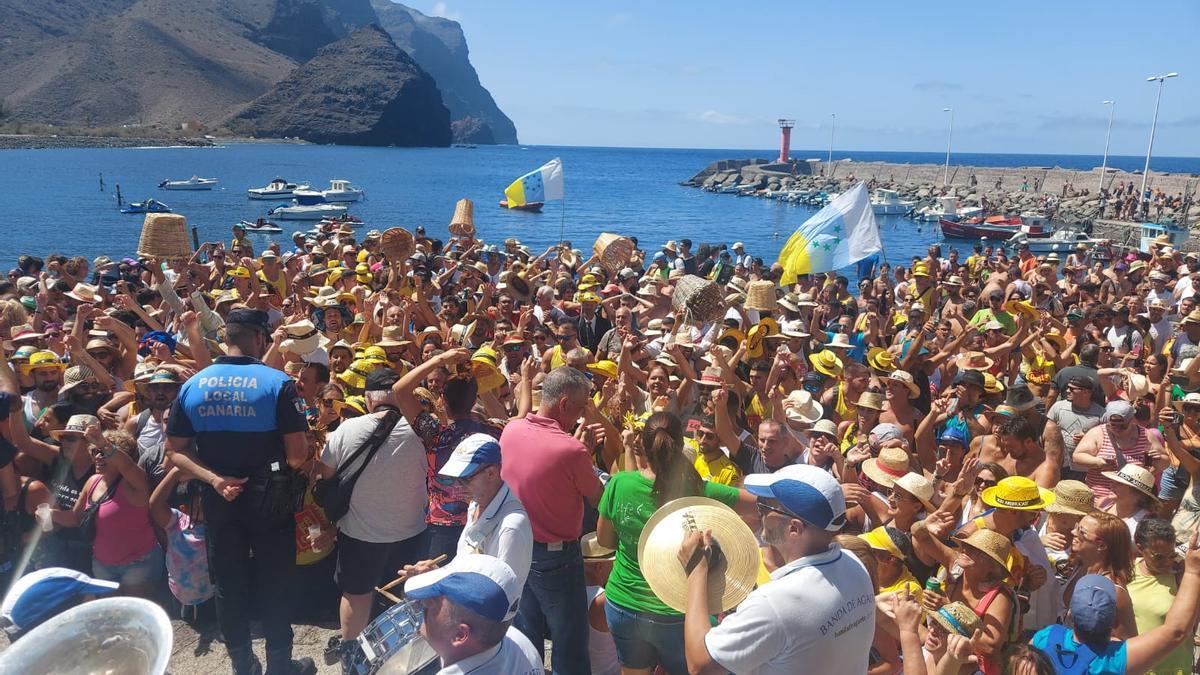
[(248, 423)]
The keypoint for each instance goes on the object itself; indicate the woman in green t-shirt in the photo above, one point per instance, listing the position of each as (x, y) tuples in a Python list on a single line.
[(646, 631)]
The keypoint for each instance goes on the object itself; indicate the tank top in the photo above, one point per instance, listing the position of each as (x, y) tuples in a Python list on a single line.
[(123, 531), (841, 408), (1102, 486), (602, 651)]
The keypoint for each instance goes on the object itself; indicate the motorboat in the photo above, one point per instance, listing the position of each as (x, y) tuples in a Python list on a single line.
[(535, 207), (1149, 233), (296, 211), (148, 206), (193, 183), (1060, 241), (946, 208), (996, 228), (341, 191), (276, 189), (261, 225), (888, 203)]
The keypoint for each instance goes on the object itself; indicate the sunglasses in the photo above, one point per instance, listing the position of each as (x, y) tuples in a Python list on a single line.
[(1158, 556), (328, 402), (984, 483), (764, 508)]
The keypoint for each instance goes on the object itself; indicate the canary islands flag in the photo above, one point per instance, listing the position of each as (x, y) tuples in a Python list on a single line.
[(837, 236), (543, 185)]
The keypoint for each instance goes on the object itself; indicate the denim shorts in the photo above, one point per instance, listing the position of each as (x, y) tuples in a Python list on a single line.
[(644, 640), (145, 570)]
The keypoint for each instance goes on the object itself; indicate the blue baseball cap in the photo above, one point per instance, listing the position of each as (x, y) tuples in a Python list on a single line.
[(471, 453), (480, 583), (42, 594), (1094, 606), (806, 491), (953, 435)]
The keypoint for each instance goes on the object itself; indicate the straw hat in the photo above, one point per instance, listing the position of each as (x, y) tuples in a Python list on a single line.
[(164, 235), (974, 361), (997, 546), (788, 302), (397, 244), (799, 406), (1018, 493), (839, 341), (593, 551), (879, 540), (956, 617), (485, 368), (907, 379), (754, 340), (1192, 317), (463, 222), (880, 358), (303, 338), (393, 336), (76, 425), (663, 534), (1189, 399), (760, 295), (806, 300), (82, 292), (954, 280), (1136, 477), (1074, 498), (1016, 306), (891, 464), (991, 385), (709, 377), (1137, 385), (870, 399), (919, 486), (826, 363), (75, 376)]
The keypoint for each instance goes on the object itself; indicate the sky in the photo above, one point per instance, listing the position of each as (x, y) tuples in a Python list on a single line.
[(1025, 77)]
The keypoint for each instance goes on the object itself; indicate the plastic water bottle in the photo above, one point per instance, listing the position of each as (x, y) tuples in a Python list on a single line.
[(314, 531), (43, 517)]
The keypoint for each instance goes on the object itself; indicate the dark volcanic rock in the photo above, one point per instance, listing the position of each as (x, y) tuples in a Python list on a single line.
[(472, 130), (439, 46), (299, 28), (362, 90)]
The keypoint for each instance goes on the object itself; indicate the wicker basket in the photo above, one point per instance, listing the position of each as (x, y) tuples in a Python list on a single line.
[(612, 251), (760, 295), (463, 222), (698, 299), (164, 236), (397, 244)]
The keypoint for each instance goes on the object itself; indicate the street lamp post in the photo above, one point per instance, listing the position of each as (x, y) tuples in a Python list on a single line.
[(832, 126), (1150, 148), (1112, 108), (949, 138)]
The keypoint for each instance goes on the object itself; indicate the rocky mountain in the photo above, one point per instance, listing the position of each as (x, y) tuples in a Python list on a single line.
[(362, 90), (441, 48), (164, 62)]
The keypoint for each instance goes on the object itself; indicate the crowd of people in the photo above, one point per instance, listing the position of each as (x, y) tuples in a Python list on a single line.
[(978, 464)]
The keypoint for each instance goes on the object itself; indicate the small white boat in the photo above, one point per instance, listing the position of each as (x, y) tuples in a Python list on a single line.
[(1061, 241), (947, 208), (261, 225), (341, 191), (888, 203), (306, 211), (276, 189), (193, 183)]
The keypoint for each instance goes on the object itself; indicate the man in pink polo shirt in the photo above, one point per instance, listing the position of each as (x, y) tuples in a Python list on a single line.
[(552, 473)]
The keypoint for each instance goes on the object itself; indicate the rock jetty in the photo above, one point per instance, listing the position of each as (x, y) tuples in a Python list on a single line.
[(1010, 190)]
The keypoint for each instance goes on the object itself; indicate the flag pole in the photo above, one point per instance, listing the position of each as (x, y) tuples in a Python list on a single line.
[(562, 225)]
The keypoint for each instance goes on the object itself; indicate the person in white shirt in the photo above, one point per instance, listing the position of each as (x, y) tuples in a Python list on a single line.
[(469, 606), (496, 521), (802, 508)]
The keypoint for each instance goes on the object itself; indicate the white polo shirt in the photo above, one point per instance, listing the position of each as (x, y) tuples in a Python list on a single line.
[(501, 531), (770, 634), (515, 655)]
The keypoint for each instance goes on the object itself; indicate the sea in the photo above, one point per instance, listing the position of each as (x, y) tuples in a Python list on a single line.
[(64, 200)]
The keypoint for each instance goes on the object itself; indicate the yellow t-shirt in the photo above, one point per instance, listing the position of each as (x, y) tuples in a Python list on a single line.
[(722, 471), (906, 580), (279, 285), (310, 514)]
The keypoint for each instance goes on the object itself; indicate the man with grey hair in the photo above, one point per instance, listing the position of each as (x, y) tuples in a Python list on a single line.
[(552, 473), (543, 307), (382, 531)]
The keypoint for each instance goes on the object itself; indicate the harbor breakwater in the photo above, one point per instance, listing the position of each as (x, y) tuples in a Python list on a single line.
[(1006, 189)]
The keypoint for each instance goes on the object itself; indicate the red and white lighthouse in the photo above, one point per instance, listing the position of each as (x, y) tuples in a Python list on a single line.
[(785, 139)]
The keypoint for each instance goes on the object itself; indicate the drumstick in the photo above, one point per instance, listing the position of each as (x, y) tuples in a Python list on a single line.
[(389, 596), (395, 582)]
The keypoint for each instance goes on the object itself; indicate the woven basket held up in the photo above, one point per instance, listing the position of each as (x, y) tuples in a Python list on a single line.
[(760, 295), (397, 244), (165, 236), (613, 251), (699, 299), (463, 222)]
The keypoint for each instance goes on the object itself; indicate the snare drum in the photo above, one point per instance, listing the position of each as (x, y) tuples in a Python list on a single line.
[(392, 643)]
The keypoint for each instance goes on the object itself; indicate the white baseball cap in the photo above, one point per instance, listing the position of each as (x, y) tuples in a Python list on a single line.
[(471, 453), (806, 491), (481, 583)]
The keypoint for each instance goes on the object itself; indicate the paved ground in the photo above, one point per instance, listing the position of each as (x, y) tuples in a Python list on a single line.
[(202, 653)]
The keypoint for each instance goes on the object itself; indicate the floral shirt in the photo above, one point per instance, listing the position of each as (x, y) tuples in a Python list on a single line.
[(187, 560), (447, 502)]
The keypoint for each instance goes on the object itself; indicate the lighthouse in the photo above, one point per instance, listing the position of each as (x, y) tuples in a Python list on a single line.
[(785, 139)]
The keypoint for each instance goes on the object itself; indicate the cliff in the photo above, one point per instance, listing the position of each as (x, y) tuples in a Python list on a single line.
[(362, 90)]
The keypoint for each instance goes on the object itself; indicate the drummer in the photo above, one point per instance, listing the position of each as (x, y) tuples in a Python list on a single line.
[(496, 521), (469, 606)]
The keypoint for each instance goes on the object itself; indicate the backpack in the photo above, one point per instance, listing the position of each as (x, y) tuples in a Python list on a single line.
[(1067, 656)]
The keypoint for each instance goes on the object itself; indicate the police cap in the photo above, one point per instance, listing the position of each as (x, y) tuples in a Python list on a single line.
[(250, 317), (381, 379)]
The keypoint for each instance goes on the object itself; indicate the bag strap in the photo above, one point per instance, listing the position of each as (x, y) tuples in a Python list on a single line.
[(143, 419), (384, 429)]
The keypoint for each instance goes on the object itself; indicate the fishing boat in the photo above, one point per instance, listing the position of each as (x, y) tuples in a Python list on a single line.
[(295, 211), (888, 203), (148, 206), (535, 207), (1060, 241), (261, 225), (276, 189), (341, 191), (998, 228), (193, 183)]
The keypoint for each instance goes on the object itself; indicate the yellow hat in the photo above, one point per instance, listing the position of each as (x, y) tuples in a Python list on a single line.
[(375, 352), (881, 359), (1016, 306), (355, 376), (880, 540), (335, 275), (363, 255), (991, 384), (605, 367), (351, 405), (240, 272), (1019, 493), (732, 334), (826, 362), (485, 368), (588, 297), (754, 340), (920, 270), (43, 359)]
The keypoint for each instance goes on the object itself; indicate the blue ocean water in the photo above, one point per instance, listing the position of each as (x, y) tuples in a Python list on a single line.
[(53, 200)]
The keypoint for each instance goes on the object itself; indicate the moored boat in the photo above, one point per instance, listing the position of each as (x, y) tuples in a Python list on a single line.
[(888, 203), (296, 211), (341, 191), (261, 225), (276, 189), (535, 207), (193, 183), (148, 206), (999, 228)]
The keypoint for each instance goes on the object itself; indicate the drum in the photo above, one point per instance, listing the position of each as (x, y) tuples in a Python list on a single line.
[(392, 643)]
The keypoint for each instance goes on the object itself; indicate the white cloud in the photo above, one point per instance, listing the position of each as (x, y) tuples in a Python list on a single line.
[(717, 117), (440, 9)]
